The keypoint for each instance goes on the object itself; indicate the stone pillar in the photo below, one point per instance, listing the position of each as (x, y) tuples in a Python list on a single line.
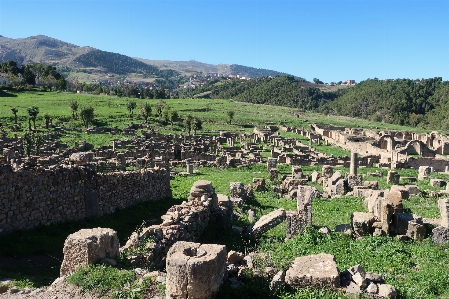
[(443, 204), (121, 161), (271, 163), (195, 270), (113, 145), (190, 168), (354, 164)]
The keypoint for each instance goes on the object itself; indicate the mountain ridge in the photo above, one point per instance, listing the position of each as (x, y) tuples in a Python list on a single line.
[(66, 56)]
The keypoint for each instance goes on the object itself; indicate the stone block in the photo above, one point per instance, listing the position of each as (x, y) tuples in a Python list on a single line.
[(438, 183), (294, 224), (393, 177), (195, 270), (353, 180), (412, 190), (443, 205), (371, 184), (267, 222), (327, 171), (88, 246), (386, 291), (259, 184), (423, 172), (362, 223), (314, 176), (395, 198), (402, 189), (237, 190), (440, 235), (313, 271), (416, 231)]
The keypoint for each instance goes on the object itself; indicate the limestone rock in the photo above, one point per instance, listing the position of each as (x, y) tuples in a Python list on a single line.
[(88, 246), (314, 271), (194, 270)]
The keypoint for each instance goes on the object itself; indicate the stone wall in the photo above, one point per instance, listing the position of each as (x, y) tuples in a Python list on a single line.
[(30, 197)]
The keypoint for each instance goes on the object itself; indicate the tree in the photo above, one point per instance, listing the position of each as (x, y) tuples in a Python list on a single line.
[(33, 111), (188, 120), (131, 106), (87, 115), (47, 120), (197, 125), (317, 81), (14, 111), (145, 111), (172, 116), (159, 107), (32, 141), (230, 116), (73, 107)]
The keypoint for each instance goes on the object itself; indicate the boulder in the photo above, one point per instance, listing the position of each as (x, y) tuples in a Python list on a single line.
[(313, 271), (88, 246)]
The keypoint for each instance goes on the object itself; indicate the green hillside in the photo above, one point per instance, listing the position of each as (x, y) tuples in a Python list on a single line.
[(121, 64)]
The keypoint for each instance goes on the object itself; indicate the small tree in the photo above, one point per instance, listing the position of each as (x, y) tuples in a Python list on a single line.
[(160, 107), (145, 111), (172, 116), (87, 115), (197, 125), (165, 113), (73, 107), (47, 120), (33, 111), (32, 142), (188, 120), (230, 116), (14, 111), (131, 106)]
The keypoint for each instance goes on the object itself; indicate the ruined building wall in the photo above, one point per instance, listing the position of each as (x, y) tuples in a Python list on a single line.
[(33, 197)]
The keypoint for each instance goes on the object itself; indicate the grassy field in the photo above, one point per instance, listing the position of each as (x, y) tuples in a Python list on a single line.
[(416, 269)]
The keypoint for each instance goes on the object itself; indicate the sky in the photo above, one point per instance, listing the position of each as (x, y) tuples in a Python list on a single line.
[(333, 40)]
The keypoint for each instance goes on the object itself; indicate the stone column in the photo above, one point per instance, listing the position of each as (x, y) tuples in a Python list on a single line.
[(443, 204), (354, 164)]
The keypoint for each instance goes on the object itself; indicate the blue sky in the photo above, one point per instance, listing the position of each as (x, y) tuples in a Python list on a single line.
[(331, 40)]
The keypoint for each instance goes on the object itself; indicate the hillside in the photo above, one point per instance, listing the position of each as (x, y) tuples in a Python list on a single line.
[(87, 64)]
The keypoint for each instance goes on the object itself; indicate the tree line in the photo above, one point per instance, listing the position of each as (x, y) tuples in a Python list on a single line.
[(34, 74), (418, 103)]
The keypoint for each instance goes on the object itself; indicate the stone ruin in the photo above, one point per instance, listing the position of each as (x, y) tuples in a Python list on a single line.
[(195, 270), (89, 246)]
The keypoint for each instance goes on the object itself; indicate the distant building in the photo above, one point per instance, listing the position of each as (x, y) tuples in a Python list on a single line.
[(3, 79), (349, 82)]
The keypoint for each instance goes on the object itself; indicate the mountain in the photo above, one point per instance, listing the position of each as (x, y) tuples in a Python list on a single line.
[(86, 64)]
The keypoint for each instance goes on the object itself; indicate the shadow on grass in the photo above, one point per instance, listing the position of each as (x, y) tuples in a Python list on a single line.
[(5, 94), (37, 254)]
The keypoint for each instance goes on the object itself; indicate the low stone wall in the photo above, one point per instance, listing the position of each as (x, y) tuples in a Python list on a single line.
[(31, 197)]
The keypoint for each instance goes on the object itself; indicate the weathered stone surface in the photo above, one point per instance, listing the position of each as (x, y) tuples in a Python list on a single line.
[(440, 235), (423, 172), (371, 184), (386, 291), (267, 222), (443, 205), (372, 288), (405, 194), (393, 177), (353, 180), (194, 270), (438, 183), (237, 190), (343, 228), (314, 271), (235, 257), (259, 184), (277, 281), (327, 171), (362, 223), (88, 246), (416, 231), (314, 176)]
